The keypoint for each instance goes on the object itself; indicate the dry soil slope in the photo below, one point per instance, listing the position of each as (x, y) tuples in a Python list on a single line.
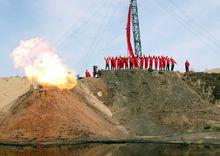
[(10, 89), (216, 70), (54, 116), (151, 103), (138, 103)]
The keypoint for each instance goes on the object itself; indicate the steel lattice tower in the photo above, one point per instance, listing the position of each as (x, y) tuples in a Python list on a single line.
[(136, 28)]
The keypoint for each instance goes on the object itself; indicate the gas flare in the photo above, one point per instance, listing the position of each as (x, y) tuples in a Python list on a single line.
[(42, 65)]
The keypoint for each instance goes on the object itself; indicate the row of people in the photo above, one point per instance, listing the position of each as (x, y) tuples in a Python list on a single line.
[(149, 62), (145, 62)]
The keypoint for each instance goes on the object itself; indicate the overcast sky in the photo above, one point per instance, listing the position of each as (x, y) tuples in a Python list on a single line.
[(84, 31)]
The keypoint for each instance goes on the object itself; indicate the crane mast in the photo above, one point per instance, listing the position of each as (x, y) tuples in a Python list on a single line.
[(136, 28)]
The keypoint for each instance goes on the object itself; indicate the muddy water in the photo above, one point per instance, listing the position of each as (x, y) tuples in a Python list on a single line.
[(112, 150)]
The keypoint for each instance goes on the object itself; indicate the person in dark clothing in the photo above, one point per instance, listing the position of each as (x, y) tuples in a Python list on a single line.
[(95, 71), (173, 63), (131, 63), (168, 63), (99, 73)]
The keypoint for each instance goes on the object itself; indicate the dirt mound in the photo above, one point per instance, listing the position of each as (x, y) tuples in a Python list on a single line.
[(10, 90), (53, 116), (121, 104), (152, 103)]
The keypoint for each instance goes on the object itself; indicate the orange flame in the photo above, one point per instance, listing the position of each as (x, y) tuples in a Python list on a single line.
[(42, 65)]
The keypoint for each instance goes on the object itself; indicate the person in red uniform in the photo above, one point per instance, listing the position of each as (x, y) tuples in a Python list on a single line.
[(119, 63), (145, 62), (156, 60), (121, 60), (142, 62), (173, 63), (160, 63), (87, 74), (111, 60), (136, 62), (116, 63), (187, 64), (164, 63), (153, 61), (150, 63), (113, 63), (107, 63), (126, 62)]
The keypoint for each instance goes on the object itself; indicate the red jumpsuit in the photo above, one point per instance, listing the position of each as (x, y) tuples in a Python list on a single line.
[(156, 63), (187, 64), (160, 63), (107, 63), (146, 62), (87, 74), (164, 63), (114, 63), (135, 62), (126, 62), (172, 61), (151, 63), (121, 65), (141, 62), (117, 63)]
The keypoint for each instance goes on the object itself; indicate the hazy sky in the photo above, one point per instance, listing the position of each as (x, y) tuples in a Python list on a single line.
[(84, 31)]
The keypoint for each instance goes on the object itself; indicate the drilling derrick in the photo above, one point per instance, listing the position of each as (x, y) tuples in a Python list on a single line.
[(136, 28)]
